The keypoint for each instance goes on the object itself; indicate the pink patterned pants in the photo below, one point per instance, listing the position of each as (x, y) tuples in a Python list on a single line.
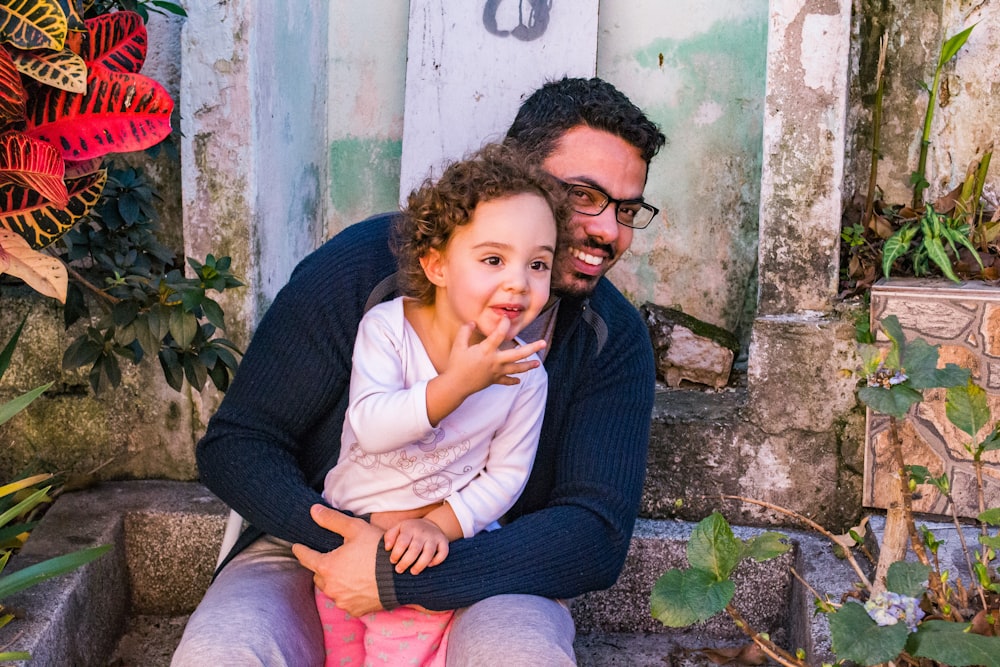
[(401, 637)]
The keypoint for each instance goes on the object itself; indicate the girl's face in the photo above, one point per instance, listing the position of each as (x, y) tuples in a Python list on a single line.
[(498, 266)]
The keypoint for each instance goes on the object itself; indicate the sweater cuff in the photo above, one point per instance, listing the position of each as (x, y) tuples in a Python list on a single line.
[(385, 578)]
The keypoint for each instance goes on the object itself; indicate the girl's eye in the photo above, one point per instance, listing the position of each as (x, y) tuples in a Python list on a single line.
[(493, 261), (539, 265)]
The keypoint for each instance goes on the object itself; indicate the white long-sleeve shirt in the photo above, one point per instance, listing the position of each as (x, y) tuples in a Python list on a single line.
[(391, 458)]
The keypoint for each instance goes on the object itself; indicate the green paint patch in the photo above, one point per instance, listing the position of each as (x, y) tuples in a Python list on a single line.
[(364, 175), (724, 66)]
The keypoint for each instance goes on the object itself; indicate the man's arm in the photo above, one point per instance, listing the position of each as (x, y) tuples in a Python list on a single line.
[(278, 429)]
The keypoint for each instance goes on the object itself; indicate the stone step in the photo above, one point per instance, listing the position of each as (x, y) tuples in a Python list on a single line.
[(167, 536)]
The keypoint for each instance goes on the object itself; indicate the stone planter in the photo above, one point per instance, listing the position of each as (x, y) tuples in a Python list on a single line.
[(964, 320)]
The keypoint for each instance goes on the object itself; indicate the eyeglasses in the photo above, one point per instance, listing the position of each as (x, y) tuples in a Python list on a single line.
[(589, 200)]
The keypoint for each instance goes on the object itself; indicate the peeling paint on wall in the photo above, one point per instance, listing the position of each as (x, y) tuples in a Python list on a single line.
[(364, 177), (704, 85)]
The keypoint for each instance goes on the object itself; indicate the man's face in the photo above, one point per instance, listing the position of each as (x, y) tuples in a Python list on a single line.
[(586, 156)]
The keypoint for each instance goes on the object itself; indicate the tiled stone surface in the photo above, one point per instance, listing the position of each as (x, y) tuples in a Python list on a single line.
[(965, 322)]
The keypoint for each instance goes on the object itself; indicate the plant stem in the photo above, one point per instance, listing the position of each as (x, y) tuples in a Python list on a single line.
[(772, 650), (965, 548), (78, 277), (876, 130), (896, 445), (812, 524)]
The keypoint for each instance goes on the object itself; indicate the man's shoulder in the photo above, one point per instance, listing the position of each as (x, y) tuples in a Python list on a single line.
[(360, 249)]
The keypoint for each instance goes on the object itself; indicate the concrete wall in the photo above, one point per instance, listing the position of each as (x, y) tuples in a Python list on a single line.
[(292, 121)]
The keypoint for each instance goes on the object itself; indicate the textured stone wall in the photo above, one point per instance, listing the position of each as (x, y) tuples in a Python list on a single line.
[(965, 323)]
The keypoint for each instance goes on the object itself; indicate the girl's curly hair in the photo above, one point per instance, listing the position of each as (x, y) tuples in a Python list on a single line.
[(435, 209)]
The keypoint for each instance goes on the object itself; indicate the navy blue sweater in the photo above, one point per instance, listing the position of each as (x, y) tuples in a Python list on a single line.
[(277, 432)]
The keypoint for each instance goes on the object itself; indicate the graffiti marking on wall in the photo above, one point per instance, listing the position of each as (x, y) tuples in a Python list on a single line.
[(533, 28)]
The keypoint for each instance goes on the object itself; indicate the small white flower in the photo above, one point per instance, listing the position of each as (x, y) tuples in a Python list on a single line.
[(888, 608)]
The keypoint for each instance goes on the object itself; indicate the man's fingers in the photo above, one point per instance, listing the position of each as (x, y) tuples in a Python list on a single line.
[(334, 521), (308, 557)]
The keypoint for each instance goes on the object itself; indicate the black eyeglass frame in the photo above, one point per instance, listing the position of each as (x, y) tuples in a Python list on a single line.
[(608, 199)]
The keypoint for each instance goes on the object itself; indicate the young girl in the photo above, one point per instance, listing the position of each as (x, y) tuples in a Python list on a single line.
[(445, 403)]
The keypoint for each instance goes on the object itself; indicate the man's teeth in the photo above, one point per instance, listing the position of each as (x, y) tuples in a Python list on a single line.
[(586, 258)]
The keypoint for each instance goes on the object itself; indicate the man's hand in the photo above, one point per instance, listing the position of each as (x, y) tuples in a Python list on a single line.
[(347, 574)]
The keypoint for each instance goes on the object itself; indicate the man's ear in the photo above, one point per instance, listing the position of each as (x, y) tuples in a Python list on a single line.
[(432, 263)]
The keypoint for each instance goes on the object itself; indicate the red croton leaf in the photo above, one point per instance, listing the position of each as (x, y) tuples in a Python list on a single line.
[(33, 164), (12, 94), (116, 41), (120, 113), (40, 223)]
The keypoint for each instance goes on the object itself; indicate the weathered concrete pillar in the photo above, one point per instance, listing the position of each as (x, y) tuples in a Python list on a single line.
[(253, 118), (804, 129)]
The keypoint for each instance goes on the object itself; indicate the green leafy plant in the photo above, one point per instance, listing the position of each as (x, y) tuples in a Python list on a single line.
[(912, 611), (954, 236), (71, 94), (17, 499), (148, 306)]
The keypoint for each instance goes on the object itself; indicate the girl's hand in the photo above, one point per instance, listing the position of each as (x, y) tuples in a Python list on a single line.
[(415, 544), (486, 362)]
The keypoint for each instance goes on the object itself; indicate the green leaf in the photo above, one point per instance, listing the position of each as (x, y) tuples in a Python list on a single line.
[(895, 401), (11, 408), (713, 547), (195, 371), (173, 372), (14, 655), (907, 578), (183, 327), (935, 250), (966, 408), (952, 45), (894, 332), (895, 247), (920, 364), (26, 505), (855, 636), (81, 352), (992, 441), (8, 533), (993, 542), (8, 350), (991, 516), (765, 546), (950, 644), (213, 313), (683, 597), (52, 567), (952, 375)]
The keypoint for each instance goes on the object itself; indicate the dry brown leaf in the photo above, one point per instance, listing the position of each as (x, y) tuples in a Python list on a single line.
[(748, 654), (42, 272), (881, 226)]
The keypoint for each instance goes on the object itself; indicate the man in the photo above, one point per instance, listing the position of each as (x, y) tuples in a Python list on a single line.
[(277, 432)]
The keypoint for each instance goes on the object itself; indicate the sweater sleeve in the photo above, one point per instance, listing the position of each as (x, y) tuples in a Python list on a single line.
[(384, 413), (574, 521), (278, 429)]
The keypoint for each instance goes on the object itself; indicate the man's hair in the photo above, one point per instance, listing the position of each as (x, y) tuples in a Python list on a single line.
[(559, 106), (435, 209)]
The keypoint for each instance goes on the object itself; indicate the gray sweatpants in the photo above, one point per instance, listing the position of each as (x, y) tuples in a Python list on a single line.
[(260, 610)]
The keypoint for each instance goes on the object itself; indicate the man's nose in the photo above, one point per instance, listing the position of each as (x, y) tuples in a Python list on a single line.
[(604, 226)]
